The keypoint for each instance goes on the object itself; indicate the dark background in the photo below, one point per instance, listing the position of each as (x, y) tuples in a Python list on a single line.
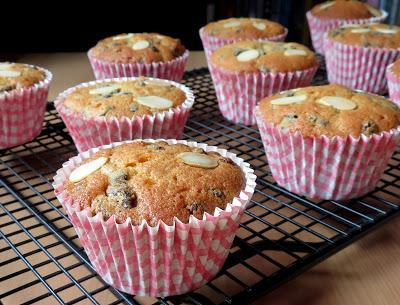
[(62, 26)]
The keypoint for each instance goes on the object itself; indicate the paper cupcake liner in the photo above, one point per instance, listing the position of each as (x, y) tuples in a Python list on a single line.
[(90, 132), (335, 168), (211, 43), (358, 67), (22, 112), (162, 260), (238, 93), (393, 85), (318, 27), (171, 70)]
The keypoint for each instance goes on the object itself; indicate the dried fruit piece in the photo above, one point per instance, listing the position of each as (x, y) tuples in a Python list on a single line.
[(87, 169), (154, 101), (248, 55), (218, 193), (198, 160), (287, 100), (140, 45), (369, 128), (121, 194), (288, 120), (337, 102), (195, 206)]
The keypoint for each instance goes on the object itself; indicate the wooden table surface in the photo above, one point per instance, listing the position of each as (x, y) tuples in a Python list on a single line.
[(366, 272)]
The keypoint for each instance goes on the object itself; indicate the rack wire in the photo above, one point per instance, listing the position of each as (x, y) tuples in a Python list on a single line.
[(281, 234)]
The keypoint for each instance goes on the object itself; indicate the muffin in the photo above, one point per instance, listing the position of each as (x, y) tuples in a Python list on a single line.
[(219, 33), (393, 79), (357, 55), (333, 14), (244, 72), (139, 54), (170, 209), (102, 112), (23, 98), (328, 142)]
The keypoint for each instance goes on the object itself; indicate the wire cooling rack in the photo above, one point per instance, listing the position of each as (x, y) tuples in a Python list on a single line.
[(281, 235)]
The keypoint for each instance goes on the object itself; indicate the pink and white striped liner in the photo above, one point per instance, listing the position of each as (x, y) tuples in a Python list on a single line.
[(393, 85), (319, 26), (239, 93), (162, 260), (22, 112), (88, 132), (358, 67), (336, 168), (171, 70), (211, 43)]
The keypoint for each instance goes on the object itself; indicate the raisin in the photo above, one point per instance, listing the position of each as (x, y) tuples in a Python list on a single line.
[(369, 128), (195, 206), (317, 120), (218, 193)]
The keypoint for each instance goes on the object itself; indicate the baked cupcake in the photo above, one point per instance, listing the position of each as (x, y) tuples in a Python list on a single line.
[(102, 112), (357, 56), (244, 72), (328, 142), (333, 14), (155, 217), (23, 98), (219, 33), (393, 79), (140, 54)]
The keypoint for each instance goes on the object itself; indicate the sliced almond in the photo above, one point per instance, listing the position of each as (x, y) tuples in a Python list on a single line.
[(349, 25), (248, 55), (9, 73), (337, 102), (386, 31), (326, 5), (140, 45), (154, 101), (5, 65), (374, 11), (104, 90), (231, 24), (157, 83), (127, 36), (87, 169), (294, 52), (198, 160), (287, 100), (360, 30), (260, 25)]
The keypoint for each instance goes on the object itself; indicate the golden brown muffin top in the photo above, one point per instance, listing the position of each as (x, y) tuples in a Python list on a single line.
[(17, 76), (330, 110), (125, 99), (264, 56), (138, 48), (376, 35), (155, 181), (244, 28), (348, 9), (395, 68)]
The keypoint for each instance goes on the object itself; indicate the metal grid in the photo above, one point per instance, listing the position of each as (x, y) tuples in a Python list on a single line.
[(282, 234)]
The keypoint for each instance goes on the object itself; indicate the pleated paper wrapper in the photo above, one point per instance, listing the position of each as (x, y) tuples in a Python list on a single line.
[(162, 260), (393, 85), (88, 132)]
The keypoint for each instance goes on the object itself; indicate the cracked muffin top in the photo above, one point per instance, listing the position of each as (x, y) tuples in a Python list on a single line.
[(330, 110), (244, 28), (18, 76), (347, 9), (263, 56), (125, 98), (138, 48), (376, 35), (155, 181)]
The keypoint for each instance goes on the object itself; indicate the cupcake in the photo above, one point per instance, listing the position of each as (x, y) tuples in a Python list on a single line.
[(23, 98), (328, 142), (155, 217), (144, 54), (333, 14), (217, 34), (244, 72), (393, 79), (102, 112), (357, 56)]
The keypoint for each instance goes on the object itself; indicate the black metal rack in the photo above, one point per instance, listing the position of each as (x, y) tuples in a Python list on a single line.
[(281, 235)]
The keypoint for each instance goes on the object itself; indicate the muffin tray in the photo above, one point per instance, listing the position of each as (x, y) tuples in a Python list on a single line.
[(281, 235)]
